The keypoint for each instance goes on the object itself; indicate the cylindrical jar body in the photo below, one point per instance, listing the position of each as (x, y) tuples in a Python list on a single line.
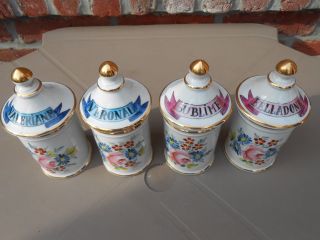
[(64, 153), (190, 153), (252, 147), (194, 109), (125, 154)]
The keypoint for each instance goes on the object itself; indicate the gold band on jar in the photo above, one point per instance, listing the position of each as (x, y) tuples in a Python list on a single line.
[(112, 90), (57, 128), (261, 123), (278, 86), (193, 87), (29, 94)]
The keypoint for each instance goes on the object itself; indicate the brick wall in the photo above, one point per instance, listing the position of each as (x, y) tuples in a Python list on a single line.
[(22, 22)]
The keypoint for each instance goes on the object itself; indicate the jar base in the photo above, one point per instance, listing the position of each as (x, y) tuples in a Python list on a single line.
[(133, 173), (200, 171), (49, 174), (233, 162)]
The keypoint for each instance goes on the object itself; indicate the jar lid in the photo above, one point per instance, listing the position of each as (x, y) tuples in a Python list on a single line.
[(274, 101), (37, 108), (195, 103), (115, 105)]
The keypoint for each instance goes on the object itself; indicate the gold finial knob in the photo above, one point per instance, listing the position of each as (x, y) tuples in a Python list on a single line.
[(287, 67), (108, 69), (199, 67), (21, 74)]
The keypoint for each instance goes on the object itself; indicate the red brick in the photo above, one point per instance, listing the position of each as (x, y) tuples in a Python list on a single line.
[(141, 7), (255, 5), (5, 36), (164, 19), (5, 9), (294, 5), (31, 29), (67, 7), (103, 8), (308, 47), (288, 23), (7, 55), (33, 8)]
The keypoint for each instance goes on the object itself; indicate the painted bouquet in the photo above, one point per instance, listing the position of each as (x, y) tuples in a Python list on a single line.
[(188, 152), (122, 155), (55, 160), (256, 150)]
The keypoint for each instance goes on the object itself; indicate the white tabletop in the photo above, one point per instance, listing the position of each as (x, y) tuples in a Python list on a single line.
[(223, 203)]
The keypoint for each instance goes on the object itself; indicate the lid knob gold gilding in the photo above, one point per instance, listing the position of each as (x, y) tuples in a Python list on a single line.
[(199, 67), (287, 67), (21, 74), (108, 69)]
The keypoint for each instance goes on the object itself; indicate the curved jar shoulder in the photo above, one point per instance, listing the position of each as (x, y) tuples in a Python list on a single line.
[(272, 106), (115, 105), (195, 104), (43, 112)]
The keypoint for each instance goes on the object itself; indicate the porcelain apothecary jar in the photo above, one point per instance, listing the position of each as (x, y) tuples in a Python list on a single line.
[(117, 109), (269, 108), (41, 115), (193, 108)]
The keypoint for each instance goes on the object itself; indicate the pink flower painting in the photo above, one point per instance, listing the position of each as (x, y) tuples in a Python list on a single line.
[(116, 158), (179, 157), (47, 163), (253, 153)]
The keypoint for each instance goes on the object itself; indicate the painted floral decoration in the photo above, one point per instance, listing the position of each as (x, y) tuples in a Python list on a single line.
[(54, 160), (122, 156), (187, 152), (253, 150)]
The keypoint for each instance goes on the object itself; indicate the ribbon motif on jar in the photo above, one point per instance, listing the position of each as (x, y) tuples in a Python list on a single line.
[(256, 105), (47, 117), (178, 108), (131, 111)]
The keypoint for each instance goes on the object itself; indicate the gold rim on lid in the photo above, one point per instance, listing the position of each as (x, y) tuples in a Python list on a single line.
[(21, 74), (108, 69), (287, 67)]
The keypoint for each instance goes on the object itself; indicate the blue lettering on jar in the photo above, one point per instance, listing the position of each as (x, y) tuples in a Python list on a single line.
[(131, 111), (47, 117)]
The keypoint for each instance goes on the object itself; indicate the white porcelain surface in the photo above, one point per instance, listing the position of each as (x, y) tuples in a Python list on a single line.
[(194, 109), (40, 122), (39, 113), (117, 109), (190, 153), (111, 105), (269, 109), (62, 154), (125, 154), (273, 105), (252, 147)]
